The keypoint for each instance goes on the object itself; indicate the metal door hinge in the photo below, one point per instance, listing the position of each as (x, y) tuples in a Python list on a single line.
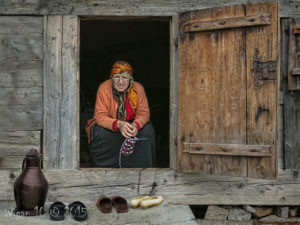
[(263, 70)]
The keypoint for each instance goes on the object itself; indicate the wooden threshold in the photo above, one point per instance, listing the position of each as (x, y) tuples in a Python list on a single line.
[(227, 149), (176, 187), (227, 23)]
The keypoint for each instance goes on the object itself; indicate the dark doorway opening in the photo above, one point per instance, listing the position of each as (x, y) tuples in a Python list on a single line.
[(144, 43)]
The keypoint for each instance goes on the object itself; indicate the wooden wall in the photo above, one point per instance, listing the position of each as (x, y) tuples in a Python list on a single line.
[(30, 58), (21, 87), (291, 99)]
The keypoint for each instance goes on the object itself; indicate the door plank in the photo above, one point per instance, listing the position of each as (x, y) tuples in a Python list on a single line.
[(227, 149), (262, 101), (227, 23)]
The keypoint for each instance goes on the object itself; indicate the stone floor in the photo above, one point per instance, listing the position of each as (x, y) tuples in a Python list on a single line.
[(163, 214)]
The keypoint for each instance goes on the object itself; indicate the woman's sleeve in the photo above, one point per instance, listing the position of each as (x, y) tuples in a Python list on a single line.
[(101, 109), (142, 115)]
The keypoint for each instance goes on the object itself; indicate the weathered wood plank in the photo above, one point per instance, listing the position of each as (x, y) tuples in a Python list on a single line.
[(227, 23), (262, 101), (15, 145), (294, 58), (129, 7), (21, 117), (174, 88), (21, 96), (17, 25), (296, 71), (296, 29), (61, 93), (20, 47), (52, 92), (291, 106), (176, 188), (227, 149), (21, 74), (70, 85)]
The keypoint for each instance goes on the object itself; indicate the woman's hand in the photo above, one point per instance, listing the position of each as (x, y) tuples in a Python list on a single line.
[(127, 130), (135, 130)]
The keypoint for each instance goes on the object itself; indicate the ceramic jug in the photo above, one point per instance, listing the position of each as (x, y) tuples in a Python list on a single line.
[(31, 186)]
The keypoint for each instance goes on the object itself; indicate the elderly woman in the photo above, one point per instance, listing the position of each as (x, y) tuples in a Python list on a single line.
[(120, 134)]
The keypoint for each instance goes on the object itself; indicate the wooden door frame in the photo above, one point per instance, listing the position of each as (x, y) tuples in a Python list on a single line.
[(61, 134)]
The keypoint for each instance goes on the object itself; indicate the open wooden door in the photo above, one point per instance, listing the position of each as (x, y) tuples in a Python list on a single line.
[(228, 83)]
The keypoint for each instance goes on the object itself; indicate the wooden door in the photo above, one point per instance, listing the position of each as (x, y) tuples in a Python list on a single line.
[(228, 75)]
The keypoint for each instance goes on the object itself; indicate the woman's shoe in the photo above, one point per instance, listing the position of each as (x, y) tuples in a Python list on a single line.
[(135, 202), (120, 204), (151, 201), (78, 210), (104, 204), (57, 211)]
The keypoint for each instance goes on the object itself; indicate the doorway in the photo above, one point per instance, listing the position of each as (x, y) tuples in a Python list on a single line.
[(144, 43)]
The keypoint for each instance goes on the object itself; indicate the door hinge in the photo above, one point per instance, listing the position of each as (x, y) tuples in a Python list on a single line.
[(263, 70)]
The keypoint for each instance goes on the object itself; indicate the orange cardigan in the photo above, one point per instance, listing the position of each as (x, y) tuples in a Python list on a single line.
[(106, 107)]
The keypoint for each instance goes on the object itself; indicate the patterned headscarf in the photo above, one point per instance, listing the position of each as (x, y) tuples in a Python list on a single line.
[(118, 68)]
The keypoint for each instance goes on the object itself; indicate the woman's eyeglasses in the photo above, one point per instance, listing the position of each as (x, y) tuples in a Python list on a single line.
[(118, 78)]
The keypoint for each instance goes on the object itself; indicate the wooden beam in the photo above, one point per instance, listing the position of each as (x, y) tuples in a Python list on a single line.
[(128, 8), (15, 145), (296, 71), (25, 25), (175, 187), (23, 74), (227, 149), (227, 23), (296, 29), (21, 47), (61, 93)]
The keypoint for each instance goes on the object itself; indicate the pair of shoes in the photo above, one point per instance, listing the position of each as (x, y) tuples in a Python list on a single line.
[(105, 204), (146, 201), (77, 209)]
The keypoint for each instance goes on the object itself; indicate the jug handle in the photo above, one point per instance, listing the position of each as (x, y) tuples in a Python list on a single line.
[(23, 163)]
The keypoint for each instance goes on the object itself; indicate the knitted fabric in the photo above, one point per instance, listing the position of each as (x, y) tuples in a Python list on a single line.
[(127, 148)]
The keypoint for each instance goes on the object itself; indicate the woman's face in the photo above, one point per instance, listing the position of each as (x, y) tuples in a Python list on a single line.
[(121, 81)]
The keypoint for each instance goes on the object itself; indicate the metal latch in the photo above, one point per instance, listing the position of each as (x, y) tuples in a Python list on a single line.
[(263, 70)]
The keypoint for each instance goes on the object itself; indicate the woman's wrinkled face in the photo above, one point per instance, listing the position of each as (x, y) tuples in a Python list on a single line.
[(121, 81)]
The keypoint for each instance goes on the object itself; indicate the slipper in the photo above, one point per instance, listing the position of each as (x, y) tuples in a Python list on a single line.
[(104, 204), (151, 201), (57, 211), (78, 210), (135, 202), (120, 204)]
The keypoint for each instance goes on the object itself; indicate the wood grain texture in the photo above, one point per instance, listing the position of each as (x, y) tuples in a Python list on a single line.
[(21, 96), (294, 57), (21, 117), (21, 74), (25, 25), (174, 93), (52, 92), (175, 187), (70, 94), (227, 149), (262, 101), (227, 23), (129, 7), (212, 92), (291, 105), (15, 145), (21, 47), (61, 91)]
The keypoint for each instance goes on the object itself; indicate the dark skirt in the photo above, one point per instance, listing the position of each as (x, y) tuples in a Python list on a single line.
[(105, 148)]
